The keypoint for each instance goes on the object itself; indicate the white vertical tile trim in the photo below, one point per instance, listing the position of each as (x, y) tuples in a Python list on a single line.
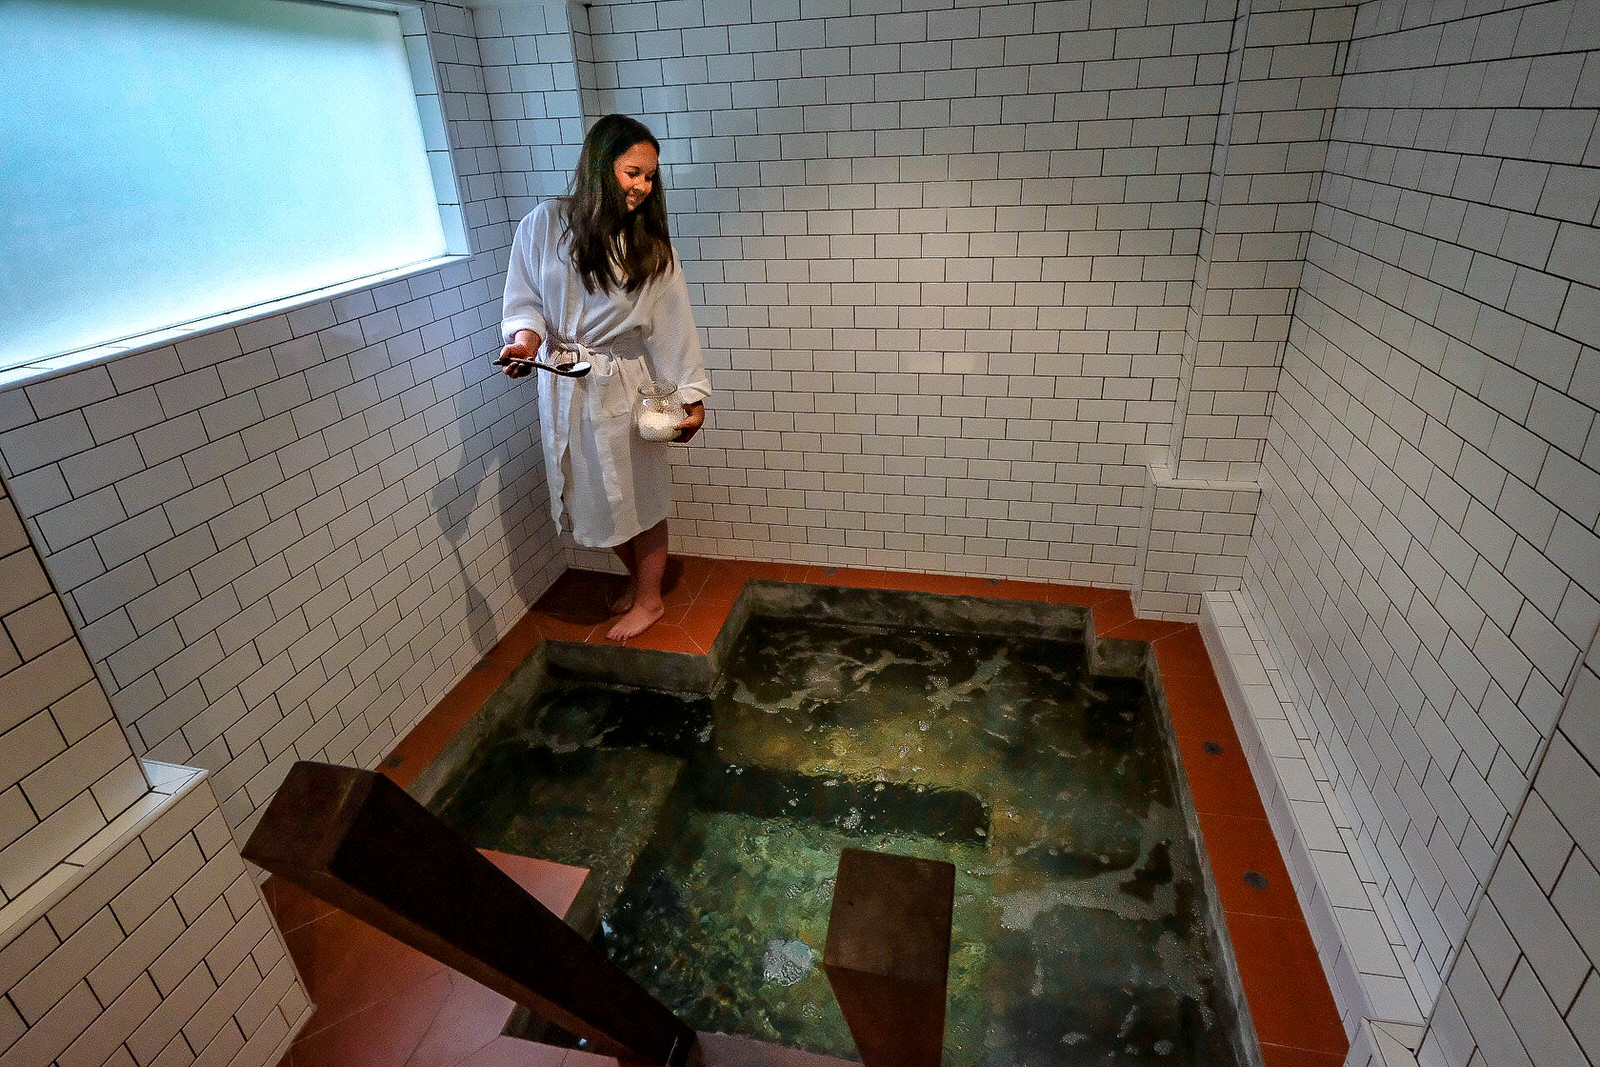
[(1195, 534)]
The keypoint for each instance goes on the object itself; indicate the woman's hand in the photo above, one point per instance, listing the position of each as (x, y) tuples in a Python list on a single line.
[(695, 418), (524, 346)]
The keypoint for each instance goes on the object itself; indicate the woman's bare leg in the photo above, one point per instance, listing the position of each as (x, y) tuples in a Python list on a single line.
[(624, 600), (649, 552)]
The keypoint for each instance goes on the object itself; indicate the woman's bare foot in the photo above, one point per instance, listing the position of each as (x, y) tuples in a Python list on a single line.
[(624, 601), (639, 618)]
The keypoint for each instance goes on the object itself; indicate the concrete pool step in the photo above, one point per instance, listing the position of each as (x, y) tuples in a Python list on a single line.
[(716, 1050), (580, 817), (862, 806), (726, 1050)]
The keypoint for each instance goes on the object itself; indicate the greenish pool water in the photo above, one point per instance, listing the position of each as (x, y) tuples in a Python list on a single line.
[(713, 826)]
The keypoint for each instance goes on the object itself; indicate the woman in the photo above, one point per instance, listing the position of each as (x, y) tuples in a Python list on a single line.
[(593, 277)]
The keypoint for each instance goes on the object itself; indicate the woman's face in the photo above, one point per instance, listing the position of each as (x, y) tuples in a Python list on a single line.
[(636, 173)]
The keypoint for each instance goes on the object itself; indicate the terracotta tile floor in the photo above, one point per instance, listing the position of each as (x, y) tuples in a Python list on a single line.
[(381, 1004)]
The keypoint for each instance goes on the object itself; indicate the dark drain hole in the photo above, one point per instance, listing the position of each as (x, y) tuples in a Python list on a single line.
[(1255, 879), (1213, 749)]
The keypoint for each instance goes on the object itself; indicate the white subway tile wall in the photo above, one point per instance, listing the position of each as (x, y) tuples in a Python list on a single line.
[(68, 770), (286, 540), (1277, 111), (1003, 288), (130, 930), (943, 258), (1379, 1044), (1524, 989), (158, 949), (277, 541), (1195, 537), (1426, 558), (945, 255)]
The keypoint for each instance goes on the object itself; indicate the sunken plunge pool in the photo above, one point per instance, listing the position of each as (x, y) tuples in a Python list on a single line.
[(710, 798)]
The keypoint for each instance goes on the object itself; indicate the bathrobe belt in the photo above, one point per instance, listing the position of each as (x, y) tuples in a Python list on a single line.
[(605, 362), (627, 345)]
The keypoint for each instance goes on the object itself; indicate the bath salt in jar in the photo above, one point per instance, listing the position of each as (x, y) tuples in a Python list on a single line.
[(658, 411)]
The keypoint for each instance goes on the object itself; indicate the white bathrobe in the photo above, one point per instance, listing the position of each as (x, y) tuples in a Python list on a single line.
[(608, 481)]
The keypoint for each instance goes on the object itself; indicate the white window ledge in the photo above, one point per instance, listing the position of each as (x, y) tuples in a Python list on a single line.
[(52, 366)]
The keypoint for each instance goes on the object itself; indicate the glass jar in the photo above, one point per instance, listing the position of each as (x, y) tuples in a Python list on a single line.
[(658, 411)]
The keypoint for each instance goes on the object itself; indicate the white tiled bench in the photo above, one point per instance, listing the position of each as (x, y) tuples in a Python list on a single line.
[(1369, 969)]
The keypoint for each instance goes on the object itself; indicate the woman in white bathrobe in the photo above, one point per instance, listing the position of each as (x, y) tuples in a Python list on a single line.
[(593, 277)]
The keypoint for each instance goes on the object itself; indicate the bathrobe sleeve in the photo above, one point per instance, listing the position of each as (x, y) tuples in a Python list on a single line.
[(523, 306), (674, 343)]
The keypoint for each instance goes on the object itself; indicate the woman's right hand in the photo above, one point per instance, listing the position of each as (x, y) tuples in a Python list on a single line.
[(524, 347)]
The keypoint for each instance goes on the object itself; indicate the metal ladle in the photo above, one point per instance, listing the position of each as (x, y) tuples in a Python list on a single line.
[(566, 370)]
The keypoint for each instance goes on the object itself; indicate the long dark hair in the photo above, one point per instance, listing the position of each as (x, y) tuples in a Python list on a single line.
[(611, 245)]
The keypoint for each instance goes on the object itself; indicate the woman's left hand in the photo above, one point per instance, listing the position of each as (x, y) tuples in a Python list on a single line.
[(695, 418)]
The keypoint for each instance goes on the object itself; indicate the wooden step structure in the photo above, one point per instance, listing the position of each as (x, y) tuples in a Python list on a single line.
[(888, 954), (357, 841)]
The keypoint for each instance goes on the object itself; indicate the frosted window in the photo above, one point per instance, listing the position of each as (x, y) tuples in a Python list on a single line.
[(168, 160)]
